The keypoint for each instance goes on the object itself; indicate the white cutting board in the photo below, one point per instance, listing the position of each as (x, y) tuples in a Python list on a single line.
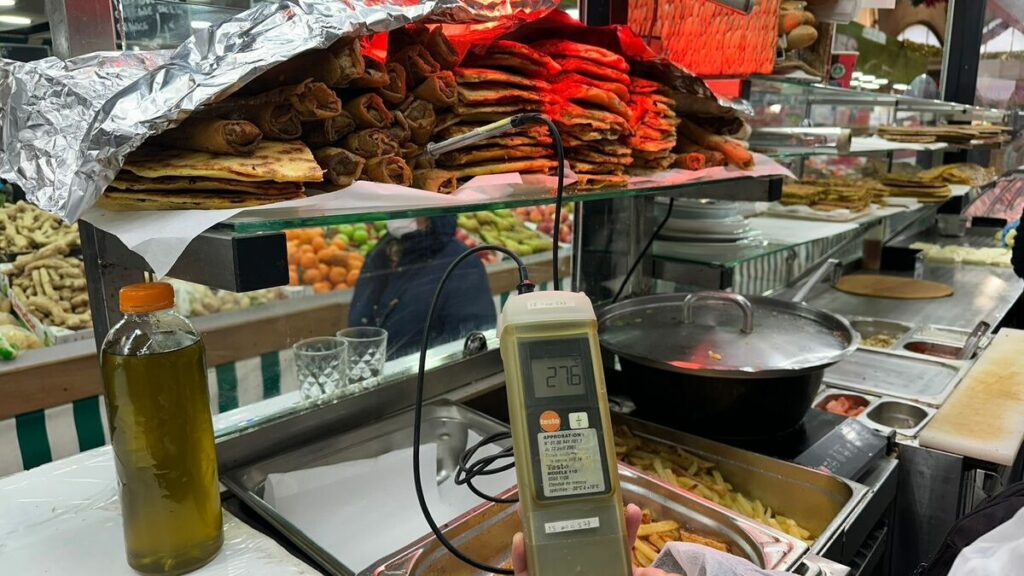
[(984, 417)]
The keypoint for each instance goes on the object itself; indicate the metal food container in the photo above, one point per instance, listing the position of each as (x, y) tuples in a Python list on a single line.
[(898, 374), (485, 533), (444, 423), (883, 413), (822, 503)]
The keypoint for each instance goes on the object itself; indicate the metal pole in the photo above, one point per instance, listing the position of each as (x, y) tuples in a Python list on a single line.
[(81, 26), (104, 280)]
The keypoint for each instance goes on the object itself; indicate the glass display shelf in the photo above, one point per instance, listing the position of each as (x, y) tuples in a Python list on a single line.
[(739, 187), (859, 147), (823, 95)]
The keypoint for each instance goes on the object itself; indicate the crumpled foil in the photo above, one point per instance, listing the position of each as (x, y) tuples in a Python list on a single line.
[(68, 125)]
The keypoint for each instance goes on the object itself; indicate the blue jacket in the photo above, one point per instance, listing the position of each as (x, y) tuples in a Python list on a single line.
[(398, 281)]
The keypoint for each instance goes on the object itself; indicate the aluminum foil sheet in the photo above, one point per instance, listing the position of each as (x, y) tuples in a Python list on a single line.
[(67, 125)]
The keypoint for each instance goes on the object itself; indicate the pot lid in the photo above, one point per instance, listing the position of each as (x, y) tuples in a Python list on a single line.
[(725, 334)]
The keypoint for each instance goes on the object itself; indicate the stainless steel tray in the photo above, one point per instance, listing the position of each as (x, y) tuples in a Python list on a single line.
[(486, 533), (873, 408), (444, 423), (820, 502), (896, 374)]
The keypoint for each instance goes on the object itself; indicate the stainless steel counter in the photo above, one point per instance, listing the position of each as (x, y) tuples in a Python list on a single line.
[(979, 293)]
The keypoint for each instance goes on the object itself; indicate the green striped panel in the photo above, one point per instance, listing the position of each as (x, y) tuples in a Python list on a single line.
[(227, 388), (89, 423), (33, 441), (270, 365)]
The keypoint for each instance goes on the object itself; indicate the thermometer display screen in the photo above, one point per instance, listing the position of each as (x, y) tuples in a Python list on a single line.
[(560, 376), (559, 367)]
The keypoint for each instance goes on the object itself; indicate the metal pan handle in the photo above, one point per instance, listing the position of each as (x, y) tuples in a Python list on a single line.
[(738, 300)]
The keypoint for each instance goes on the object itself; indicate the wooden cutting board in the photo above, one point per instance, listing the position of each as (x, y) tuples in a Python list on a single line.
[(984, 417), (878, 286)]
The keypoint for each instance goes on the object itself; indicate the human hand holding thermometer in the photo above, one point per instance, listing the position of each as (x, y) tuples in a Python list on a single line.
[(569, 495)]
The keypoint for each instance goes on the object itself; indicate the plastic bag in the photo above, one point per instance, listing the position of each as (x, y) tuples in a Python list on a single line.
[(697, 560), (19, 338)]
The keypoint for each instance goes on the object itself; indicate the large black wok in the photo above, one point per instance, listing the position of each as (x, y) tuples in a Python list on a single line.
[(721, 364)]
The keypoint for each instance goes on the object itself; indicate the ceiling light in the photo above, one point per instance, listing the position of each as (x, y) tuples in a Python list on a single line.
[(881, 81), (7, 3), (857, 74), (200, 24), (865, 78), (901, 87), (854, 83), (20, 20)]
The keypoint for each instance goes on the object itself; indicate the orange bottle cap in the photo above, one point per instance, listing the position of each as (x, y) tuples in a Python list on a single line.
[(146, 297)]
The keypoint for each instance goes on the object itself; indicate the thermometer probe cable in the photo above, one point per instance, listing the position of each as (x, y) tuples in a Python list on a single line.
[(468, 469)]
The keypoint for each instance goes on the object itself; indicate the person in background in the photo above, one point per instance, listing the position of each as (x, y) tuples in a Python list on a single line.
[(400, 276)]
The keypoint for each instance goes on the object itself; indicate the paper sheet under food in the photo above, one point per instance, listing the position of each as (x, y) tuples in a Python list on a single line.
[(378, 496), (68, 125)]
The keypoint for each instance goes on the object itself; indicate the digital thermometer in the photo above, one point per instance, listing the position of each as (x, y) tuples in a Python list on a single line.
[(565, 454)]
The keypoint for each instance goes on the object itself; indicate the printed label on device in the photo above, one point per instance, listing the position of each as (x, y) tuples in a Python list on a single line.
[(570, 463), (572, 525)]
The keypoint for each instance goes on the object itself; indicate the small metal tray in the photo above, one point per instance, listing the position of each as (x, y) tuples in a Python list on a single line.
[(897, 374), (486, 532), (926, 333), (822, 503), (868, 327), (874, 406), (444, 423)]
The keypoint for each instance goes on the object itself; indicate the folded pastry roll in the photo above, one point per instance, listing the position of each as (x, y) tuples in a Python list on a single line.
[(433, 180), (410, 152), (388, 170), (329, 131), (394, 91), (340, 166), (235, 137), (408, 35), (318, 65), (370, 143), (276, 120), (374, 74), (311, 100), (441, 49), (418, 63), (348, 54), (421, 118), (439, 89), (369, 111), (399, 129)]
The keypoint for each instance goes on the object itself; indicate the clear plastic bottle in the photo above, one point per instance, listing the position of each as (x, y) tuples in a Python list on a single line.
[(158, 406)]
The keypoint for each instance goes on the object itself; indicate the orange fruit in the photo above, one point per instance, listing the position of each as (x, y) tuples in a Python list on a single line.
[(311, 276), (340, 244), (340, 287), (317, 232), (293, 278), (324, 269), (337, 275), (293, 267), (318, 243), (355, 261), (308, 261), (338, 258), (306, 249), (326, 255), (321, 287), (353, 275), (293, 257)]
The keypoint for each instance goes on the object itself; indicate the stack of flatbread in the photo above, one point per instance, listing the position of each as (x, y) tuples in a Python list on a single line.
[(828, 196), (589, 104), (964, 173), (962, 135), (655, 122), (915, 187), (173, 179), (503, 81)]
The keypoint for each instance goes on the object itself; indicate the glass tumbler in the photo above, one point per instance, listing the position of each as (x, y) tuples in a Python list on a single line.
[(321, 365), (367, 352)]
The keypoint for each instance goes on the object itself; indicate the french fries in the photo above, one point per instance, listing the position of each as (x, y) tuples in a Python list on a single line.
[(676, 466), (653, 536)]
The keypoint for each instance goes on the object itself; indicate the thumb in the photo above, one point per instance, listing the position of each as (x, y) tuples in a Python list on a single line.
[(519, 555)]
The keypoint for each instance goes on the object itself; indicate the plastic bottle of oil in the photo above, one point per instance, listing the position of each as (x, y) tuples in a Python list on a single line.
[(158, 406)]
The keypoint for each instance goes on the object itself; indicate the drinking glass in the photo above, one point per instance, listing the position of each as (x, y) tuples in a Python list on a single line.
[(367, 350), (321, 365)]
